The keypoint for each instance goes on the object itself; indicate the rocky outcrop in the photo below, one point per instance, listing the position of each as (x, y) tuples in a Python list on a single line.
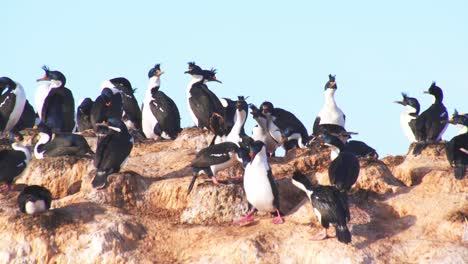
[(402, 208)]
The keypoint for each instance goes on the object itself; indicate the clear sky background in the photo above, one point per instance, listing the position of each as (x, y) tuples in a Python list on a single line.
[(268, 50)]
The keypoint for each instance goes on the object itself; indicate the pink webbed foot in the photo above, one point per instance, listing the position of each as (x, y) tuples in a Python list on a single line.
[(278, 219), (245, 220), (215, 181)]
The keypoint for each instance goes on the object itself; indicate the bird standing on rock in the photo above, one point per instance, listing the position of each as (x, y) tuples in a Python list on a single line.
[(57, 110), (330, 206), (431, 124), (260, 187), (408, 117), (112, 151), (202, 102), (457, 147), (12, 103), (13, 162), (330, 118), (161, 117)]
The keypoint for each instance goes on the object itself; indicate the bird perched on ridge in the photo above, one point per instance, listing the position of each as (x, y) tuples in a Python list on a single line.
[(408, 117), (202, 102), (12, 102), (431, 124), (457, 147), (161, 117), (330, 118), (58, 106), (330, 206), (112, 151), (13, 162)]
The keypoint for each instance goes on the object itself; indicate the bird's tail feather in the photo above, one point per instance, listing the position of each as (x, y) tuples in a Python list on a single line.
[(343, 234), (194, 178), (100, 180), (460, 170)]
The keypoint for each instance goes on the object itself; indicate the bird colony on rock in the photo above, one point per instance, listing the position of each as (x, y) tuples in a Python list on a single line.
[(115, 116)]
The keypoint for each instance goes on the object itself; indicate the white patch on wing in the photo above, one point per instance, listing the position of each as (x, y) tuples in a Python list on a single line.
[(4, 102), (443, 114), (217, 155)]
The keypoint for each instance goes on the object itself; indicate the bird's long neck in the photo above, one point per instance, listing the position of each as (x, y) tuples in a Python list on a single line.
[(241, 117), (154, 81), (19, 147), (438, 98), (412, 111), (55, 84), (43, 139), (329, 95), (261, 158)]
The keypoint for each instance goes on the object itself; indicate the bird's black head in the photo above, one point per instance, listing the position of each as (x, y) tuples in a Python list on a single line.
[(241, 104), (6, 83), (331, 140), (255, 111), (122, 84), (436, 91), (459, 119), (52, 75), (255, 148), (267, 107), (116, 124), (331, 84), (210, 75), (194, 69), (300, 178), (155, 71), (411, 101), (86, 105)]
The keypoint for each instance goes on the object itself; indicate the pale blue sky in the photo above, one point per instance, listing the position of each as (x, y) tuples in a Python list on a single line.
[(268, 50)]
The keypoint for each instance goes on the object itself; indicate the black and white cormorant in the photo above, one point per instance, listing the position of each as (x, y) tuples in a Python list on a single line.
[(106, 105), (12, 102), (28, 118), (202, 102), (131, 110), (214, 158), (457, 147), (83, 115), (236, 134), (52, 144), (112, 152), (330, 118), (430, 124), (330, 206), (278, 120), (343, 170), (408, 117), (261, 132), (58, 107), (161, 117), (13, 162), (34, 199), (260, 186), (359, 148)]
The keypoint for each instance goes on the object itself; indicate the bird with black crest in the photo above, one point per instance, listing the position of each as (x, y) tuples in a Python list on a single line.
[(330, 118), (112, 151), (161, 117), (13, 162), (457, 148), (431, 124), (408, 117), (131, 114), (202, 102), (57, 110), (106, 105)]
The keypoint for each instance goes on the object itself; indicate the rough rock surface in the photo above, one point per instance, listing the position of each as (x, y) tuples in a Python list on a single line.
[(403, 210)]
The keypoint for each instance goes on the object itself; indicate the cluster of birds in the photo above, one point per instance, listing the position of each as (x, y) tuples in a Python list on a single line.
[(116, 118)]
